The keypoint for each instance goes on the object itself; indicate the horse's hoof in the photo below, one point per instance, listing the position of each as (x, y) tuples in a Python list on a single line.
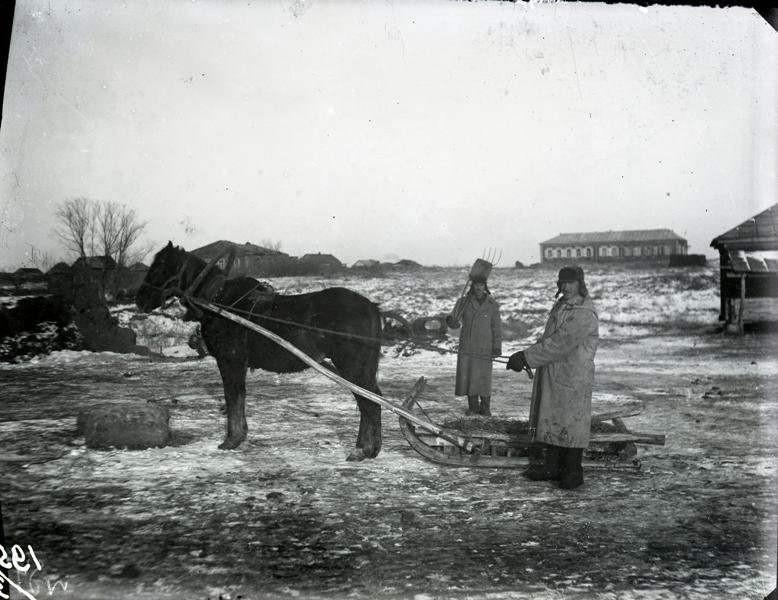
[(229, 444), (356, 456)]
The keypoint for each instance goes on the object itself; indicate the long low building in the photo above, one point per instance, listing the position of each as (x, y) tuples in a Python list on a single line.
[(614, 246)]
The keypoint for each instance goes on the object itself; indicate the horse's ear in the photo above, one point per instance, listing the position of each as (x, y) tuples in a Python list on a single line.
[(169, 244)]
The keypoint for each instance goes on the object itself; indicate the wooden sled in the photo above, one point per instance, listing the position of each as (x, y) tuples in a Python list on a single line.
[(611, 446)]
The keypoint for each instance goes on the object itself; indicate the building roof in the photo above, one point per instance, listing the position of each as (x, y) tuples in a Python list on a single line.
[(246, 249), (366, 262), (405, 262), (60, 267), (616, 237), (95, 262), (760, 232), (321, 259), (28, 271)]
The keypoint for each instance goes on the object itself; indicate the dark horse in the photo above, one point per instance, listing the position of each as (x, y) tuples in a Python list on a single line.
[(334, 323)]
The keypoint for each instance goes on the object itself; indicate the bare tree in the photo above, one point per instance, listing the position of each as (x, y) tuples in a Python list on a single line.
[(107, 227), (130, 230), (41, 259), (76, 227), (271, 245)]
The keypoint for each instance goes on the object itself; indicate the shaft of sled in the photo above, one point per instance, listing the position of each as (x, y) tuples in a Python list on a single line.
[(373, 397)]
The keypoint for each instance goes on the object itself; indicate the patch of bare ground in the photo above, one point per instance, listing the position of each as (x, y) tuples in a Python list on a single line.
[(286, 516)]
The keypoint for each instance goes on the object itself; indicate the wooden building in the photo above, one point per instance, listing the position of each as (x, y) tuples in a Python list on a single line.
[(613, 246), (250, 259), (321, 263), (95, 276), (748, 255), (60, 279)]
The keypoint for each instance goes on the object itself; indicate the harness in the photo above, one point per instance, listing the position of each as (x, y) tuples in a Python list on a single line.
[(167, 289)]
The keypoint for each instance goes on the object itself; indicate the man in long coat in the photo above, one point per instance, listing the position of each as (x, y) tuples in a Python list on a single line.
[(560, 412), (479, 341)]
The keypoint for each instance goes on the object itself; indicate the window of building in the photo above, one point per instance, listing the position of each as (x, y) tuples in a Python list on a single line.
[(578, 252), (603, 251), (588, 252), (636, 251), (568, 253), (549, 253), (648, 250), (559, 253)]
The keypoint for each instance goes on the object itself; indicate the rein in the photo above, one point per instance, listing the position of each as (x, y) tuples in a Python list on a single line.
[(187, 296), (250, 314)]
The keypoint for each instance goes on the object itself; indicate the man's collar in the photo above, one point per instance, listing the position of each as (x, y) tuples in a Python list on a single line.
[(574, 301)]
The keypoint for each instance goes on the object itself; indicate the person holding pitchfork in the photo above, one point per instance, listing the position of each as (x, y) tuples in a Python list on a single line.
[(479, 341)]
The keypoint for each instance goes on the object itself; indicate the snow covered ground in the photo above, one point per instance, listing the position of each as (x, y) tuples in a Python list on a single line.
[(285, 516)]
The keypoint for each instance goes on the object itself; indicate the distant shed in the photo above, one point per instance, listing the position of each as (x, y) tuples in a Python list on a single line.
[(748, 256), (250, 259), (365, 263), (321, 263), (407, 264)]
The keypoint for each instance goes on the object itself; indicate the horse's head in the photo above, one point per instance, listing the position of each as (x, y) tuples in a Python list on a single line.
[(160, 278)]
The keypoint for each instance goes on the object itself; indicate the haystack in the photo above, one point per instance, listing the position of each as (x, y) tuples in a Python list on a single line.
[(126, 425)]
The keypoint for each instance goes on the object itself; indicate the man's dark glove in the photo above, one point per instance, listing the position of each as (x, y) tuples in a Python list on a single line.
[(517, 362), (451, 322)]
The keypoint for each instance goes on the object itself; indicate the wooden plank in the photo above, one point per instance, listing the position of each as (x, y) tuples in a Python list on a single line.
[(630, 410), (656, 439), (742, 304)]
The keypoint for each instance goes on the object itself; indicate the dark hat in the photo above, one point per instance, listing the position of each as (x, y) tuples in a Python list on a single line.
[(570, 274)]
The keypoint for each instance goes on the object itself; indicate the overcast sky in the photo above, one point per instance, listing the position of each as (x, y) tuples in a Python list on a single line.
[(425, 130)]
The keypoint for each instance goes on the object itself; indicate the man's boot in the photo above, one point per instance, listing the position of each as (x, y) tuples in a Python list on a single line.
[(485, 402), (544, 463), (571, 471), (472, 406)]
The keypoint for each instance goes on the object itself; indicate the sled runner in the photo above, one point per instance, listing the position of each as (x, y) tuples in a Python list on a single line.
[(506, 444)]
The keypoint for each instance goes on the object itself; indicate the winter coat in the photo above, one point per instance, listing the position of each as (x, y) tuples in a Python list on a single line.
[(480, 339), (561, 404)]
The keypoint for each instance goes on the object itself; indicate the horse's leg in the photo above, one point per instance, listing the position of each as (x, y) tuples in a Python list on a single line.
[(233, 372), (369, 436), (361, 370)]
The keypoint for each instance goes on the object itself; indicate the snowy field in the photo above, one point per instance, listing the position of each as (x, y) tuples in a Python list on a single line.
[(285, 516)]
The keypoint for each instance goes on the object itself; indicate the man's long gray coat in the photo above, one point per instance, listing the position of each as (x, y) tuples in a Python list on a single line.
[(561, 406)]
